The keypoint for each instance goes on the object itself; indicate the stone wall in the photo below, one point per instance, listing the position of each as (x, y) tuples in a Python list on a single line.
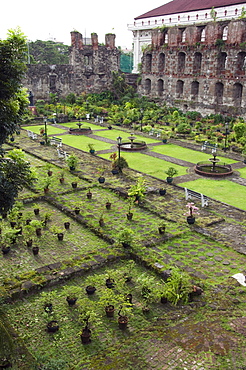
[(89, 70), (198, 67)]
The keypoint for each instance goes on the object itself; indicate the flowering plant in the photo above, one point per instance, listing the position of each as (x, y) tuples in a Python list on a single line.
[(192, 210)]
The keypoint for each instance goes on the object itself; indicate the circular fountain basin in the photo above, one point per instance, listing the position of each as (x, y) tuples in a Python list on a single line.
[(133, 146), (218, 170), (80, 131)]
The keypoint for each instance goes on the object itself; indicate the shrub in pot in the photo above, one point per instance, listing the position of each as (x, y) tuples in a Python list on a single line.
[(170, 172), (125, 237)]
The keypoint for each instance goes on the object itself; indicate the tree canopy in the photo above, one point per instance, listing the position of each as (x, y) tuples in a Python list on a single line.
[(48, 52), (15, 172)]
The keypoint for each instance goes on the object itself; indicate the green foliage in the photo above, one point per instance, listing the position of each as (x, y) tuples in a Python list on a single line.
[(220, 43), (240, 129), (183, 128), (171, 171), (126, 235), (243, 13), (213, 14), (177, 287), (48, 52), (137, 190)]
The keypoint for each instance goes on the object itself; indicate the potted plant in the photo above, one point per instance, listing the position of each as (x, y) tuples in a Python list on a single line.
[(46, 218), (108, 301), (47, 183), (101, 178), (77, 210), (162, 228), (129, 214), (36, 209), (57, 231), (164, 137), (192, 210), (72, 161), (113, 158), (130, 265), (125, 237), (149, 290), (101, 220), (72, 293), (91, 148), (52, 326), (89, 194), (87, 317), (8, 236), (28, 232), (74, 184), (123, 313), (108, 205), (48, 167), (61, 176), (162, 191), (171, 171), (37, 225), (137, 191)]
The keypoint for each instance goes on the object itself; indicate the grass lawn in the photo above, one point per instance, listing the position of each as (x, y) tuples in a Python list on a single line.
[(149, 165), (186, 154), (84, 123), (242, 172), (82, 141), (113, 134), (51, 130), (222, 190)]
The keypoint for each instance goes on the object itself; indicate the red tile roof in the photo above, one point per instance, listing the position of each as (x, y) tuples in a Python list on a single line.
[(181, 6)]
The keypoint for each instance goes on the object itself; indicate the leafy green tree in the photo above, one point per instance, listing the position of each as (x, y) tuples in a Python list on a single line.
[(15, 172), (48, 52)]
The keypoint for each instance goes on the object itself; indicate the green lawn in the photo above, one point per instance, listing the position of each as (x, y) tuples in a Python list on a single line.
[(149, 165), (82, 141), (84, 123), (222, 190), (186, 154), (113, 134), (242, 172), (51, 130)]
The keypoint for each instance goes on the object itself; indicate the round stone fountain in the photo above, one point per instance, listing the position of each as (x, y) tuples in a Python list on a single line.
[(132, 144), (80, 130), (213, 167)]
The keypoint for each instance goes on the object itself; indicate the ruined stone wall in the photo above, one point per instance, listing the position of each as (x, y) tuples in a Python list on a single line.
[(198, 67), (89, 70)]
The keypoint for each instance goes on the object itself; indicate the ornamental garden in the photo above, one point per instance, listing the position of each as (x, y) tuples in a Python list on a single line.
[(101, 270)]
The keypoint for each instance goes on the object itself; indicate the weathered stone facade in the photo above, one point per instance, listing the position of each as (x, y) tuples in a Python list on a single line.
[(89, 70), (198, 67)]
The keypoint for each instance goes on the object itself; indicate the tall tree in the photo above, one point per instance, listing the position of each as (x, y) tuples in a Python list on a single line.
[(15, 172), (48, 52)]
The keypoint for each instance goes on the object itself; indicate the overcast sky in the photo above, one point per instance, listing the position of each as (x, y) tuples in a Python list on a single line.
[(46, 18)]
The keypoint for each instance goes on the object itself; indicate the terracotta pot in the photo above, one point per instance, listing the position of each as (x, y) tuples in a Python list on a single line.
[(71, 301), (49, 173), (110, 283), (162, 229), (29, 243), (39, 231), (6, 249), (60, 236), (35, 250), (108, 205), (101, 179), (52, 326), (90, 289), (46, 190), (86, 336), (109, 310), (123, 321), (36, 211), (76, 211), (191, 220), (129, 215)]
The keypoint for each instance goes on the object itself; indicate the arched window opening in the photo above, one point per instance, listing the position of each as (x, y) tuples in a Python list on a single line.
[(161, 62), (222, 62), (166, 38), (179, 88), (241, 63), (197, 63), (148, 63), (194, 89), (225, 33), (160, 87), (218, 93), (147, 86), (181, 62), (237, 94), (183, 36), (203, 33)]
